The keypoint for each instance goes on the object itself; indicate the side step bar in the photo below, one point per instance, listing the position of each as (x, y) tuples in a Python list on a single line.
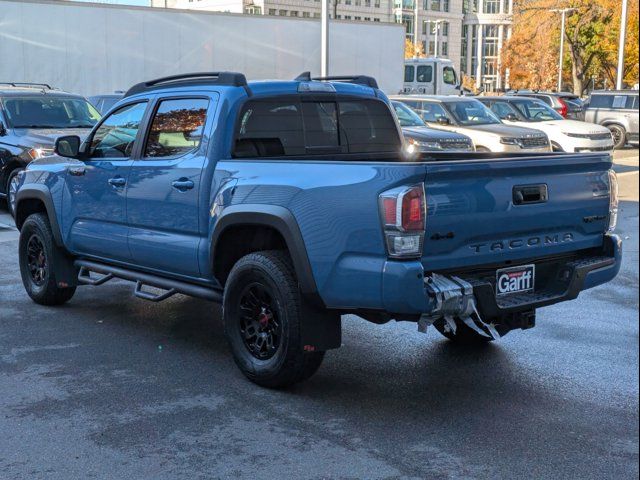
[(171, 286)]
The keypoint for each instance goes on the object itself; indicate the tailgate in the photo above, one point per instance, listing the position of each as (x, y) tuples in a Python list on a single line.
[(487, 212)]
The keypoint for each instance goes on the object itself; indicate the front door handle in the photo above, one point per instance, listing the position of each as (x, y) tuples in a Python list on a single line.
[(117, 182), (183, 184)]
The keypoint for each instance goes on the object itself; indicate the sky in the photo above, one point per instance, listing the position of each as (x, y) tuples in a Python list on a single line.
[(144, 3)]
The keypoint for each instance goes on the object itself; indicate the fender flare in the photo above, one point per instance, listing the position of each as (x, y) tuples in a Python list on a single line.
[(42, 193), (282, 220)]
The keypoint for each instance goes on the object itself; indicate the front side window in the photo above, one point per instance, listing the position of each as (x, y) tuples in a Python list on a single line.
[(115, 137), (449, 76), (472, 112), (49, 111), (177, 127), (536, 111), (425, 74), (276, 128)]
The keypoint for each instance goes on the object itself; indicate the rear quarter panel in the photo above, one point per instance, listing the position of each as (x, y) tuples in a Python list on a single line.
[(336, 207)]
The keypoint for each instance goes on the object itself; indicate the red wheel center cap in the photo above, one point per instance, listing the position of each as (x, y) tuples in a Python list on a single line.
[(263, 319)]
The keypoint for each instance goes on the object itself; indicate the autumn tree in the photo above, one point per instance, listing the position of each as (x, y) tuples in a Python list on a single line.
[(592, 29), (410, 50)]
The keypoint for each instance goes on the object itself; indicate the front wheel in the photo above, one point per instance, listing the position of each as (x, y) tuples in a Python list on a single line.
[(37, 252), (619, 135), (262, 317)]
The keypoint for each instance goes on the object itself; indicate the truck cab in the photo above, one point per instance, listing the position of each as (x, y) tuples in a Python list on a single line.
[(431, 76)]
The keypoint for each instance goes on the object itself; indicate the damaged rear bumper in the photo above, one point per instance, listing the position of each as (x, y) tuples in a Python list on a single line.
[(408, 290)]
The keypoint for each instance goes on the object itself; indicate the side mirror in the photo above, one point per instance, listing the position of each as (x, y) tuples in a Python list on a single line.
[(511, 117), (68, 146), (3, 129), (443, 121)]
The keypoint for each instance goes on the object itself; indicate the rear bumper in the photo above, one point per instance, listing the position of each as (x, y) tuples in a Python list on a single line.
[(404, 289)]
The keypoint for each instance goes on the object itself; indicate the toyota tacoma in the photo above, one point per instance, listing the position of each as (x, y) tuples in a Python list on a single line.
[(294, 202)]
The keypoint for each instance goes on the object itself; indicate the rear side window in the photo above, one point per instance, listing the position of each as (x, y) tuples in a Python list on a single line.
[(277, 128), (430, 112), (409, 73), (177, 127), (545, 99), (601, 101)]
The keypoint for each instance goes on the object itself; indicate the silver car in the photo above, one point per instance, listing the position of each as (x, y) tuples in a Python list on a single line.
[(618, 111)]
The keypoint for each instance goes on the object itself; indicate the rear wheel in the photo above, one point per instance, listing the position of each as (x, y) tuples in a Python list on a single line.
[(262, 317), (37, 252), (12, 190), (483, 149), (619, 136)]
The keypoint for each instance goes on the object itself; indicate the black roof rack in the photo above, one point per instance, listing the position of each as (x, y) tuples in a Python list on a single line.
[(27, 84), (211, 78), (357, 79)]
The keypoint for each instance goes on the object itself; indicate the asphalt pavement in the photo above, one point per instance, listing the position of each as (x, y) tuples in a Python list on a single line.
[(112, 387)]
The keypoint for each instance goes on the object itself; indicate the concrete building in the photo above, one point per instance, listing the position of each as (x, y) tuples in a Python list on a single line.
[(469, 32), (486, 26)]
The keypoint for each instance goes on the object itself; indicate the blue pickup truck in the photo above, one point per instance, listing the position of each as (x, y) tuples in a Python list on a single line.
[(292, 203)]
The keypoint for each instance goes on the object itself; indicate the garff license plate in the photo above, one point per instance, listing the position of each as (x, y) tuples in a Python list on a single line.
[(515, 279)]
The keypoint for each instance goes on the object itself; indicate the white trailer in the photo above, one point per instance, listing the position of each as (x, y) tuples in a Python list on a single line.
[(91, 48)]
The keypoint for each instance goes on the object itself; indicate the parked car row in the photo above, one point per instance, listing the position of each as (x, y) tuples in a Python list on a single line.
[(32, 116)]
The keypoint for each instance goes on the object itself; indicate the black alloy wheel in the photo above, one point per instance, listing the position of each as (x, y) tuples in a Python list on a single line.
[(260, 327)]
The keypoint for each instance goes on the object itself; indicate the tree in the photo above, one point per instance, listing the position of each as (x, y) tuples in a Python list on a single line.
[(410, 50), (591, 38)]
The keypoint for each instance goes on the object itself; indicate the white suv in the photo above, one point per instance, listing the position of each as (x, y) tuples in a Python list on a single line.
[(471, 118), (565, 135)]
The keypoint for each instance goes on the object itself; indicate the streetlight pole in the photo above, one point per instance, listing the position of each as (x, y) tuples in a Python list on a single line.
[(324, 40), (416, 42), (563, 11), (437, 24), (623, 33)]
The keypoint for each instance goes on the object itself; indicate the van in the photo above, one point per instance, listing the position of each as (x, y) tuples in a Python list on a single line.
[(431, 76)]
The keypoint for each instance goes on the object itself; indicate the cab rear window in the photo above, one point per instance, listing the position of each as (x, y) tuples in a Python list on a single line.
[(294, 128)]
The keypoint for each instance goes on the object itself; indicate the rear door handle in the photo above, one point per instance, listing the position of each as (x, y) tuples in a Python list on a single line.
[(77, 172), (183, 184), (117, 182)]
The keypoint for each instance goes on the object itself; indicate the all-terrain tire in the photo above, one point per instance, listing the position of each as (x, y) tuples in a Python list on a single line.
[(37, 252), (254, 327)]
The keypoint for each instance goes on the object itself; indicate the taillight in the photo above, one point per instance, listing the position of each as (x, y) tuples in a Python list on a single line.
[(404, 212), (563, 110), (613, 201)]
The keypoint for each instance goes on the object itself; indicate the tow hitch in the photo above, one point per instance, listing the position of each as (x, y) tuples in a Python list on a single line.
[(452, 297)]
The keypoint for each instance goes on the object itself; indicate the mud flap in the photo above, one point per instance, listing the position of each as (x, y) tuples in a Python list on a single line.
[(321, 329), (64, 271)]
